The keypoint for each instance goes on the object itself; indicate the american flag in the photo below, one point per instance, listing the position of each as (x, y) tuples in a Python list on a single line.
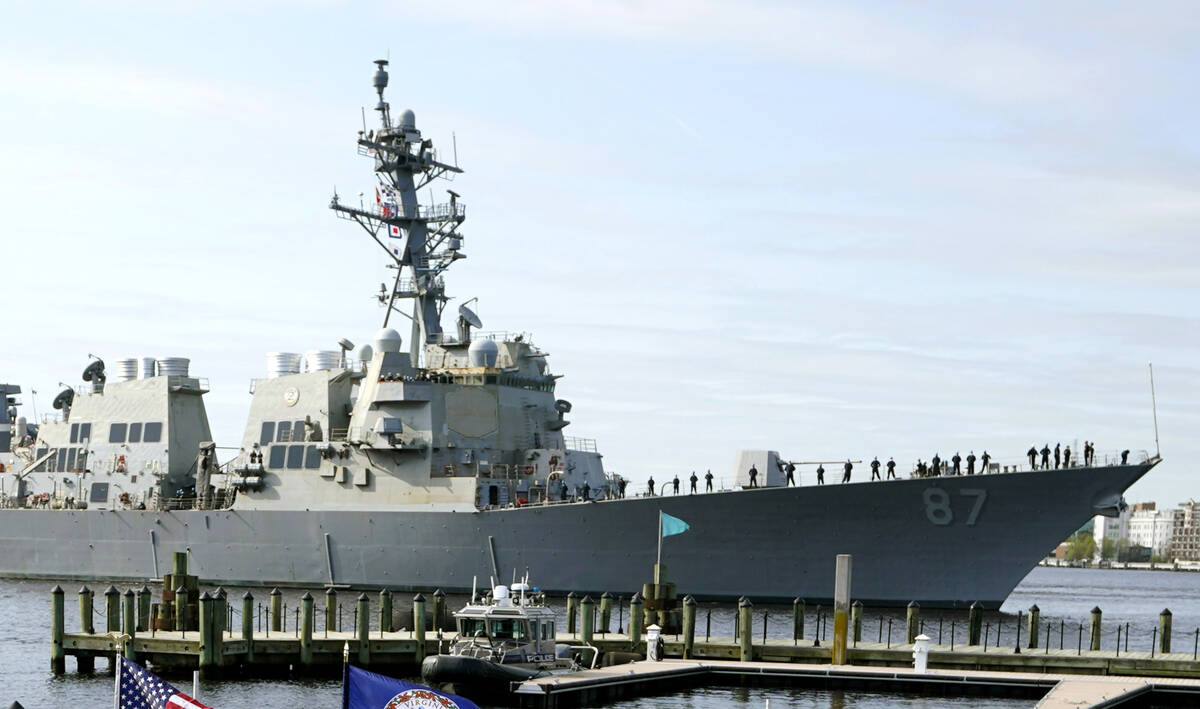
[(142, 689)]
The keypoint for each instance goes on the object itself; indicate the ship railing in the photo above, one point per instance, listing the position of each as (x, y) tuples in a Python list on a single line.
[(411, 286), (447, 338), (585, 445)]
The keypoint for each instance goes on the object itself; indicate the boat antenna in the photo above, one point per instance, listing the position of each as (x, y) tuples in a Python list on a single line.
[(474, 583), (1154, 408)]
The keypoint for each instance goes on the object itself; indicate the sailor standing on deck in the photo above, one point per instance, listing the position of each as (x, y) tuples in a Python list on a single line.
[(971, 463), (753, 476), (675, 485), (891, 466), (848, 467), (935, 465), (790, 469), (875, 468), (957, 460), (1125, 457), (984, 461), (621, 483), (820, 474), (693, 480), (708, 481), (1067, 457), (1046, 457), (651, 484), (1032, 453), (1057, 456)]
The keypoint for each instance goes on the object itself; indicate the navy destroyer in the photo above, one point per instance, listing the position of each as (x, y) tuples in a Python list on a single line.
[(381, 465)]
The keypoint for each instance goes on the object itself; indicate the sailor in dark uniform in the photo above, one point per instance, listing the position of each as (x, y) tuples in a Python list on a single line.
[(1067, 456), (820, 474), (935, 465), (708, 481), (891, 466), (790, 469), (1046, 457), (957, 460), (983, 468), (1125, 457), (693, 480), (675, 486), (847, 468), (1057, 456), (753, 476), (875, 468), (1032, 453), (971, 463), (651, 483)]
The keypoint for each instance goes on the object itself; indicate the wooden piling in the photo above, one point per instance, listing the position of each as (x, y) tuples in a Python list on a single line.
[(1035, 621), (276, 623), (974, 623), (856, 610), (221, 619), (179, 566), (912, 622), (364, 630), (181, 618), (439, 610), (112, 610), (745, 632), (206, 632), (635, 622), (86, 596), (797, 618), (689, 627), (841, 609), (144, 601), (385, 611), (129, 623), (572, 606), (1097, 615), (605, 612), (1164, 631), (588, 619), (331, 614), (248, 625), (58, 655), (419, 625), (306, 629)]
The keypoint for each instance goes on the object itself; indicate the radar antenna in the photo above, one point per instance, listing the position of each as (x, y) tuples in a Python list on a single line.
[(422, 241)]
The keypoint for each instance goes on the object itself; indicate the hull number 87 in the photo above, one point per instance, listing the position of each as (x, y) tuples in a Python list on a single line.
[(940, 505)]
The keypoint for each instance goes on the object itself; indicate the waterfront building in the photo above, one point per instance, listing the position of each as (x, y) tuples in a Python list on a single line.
[(1153, 528), (1185, 540)]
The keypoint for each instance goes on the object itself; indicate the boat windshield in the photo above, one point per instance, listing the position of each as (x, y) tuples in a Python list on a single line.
[(509, 630), (471, 627)]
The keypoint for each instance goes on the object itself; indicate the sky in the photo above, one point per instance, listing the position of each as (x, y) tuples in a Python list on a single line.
[(836, 230)]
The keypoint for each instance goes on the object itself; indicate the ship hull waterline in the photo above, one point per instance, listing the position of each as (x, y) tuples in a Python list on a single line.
[(944, 542)]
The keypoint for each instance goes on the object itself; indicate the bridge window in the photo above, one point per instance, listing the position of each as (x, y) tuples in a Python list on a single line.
[(74, 433), (135, 433), (85, 432), (312, 458), (471, 627), (509, 630), (71, 454), (298, 431), (267, 434), (295, 457), (277, 456), (152, 432), (116, 433), (61, 462)]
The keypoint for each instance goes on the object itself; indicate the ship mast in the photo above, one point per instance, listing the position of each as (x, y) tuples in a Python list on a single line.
[(422, 241)]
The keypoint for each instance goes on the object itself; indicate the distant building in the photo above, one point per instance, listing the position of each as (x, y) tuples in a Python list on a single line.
[(1185, 540), (1153, 528), (1114, 528)]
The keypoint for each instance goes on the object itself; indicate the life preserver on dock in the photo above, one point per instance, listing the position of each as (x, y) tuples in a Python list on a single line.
[(120, 464)]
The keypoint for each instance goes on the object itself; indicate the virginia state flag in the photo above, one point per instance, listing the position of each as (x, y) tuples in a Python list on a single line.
[(672, 525), (367, 690)]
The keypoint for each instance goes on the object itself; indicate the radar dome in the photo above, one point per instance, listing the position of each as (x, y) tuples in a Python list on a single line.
[(387, 340), (482, 353), (408, 119), (363, 353)]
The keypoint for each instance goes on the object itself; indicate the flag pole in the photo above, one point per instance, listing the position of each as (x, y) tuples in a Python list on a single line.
[(658, 563)]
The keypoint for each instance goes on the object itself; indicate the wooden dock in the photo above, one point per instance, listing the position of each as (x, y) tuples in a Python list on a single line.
[(1057, 691)]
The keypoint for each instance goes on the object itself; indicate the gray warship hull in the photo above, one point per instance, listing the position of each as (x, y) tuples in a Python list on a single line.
[(943, 541)]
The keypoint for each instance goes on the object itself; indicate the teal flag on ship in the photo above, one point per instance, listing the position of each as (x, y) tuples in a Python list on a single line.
[(672, 525)]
